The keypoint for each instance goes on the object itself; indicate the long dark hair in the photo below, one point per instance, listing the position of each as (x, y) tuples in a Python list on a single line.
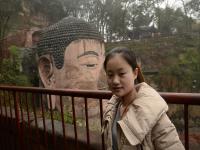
[(130, 58)]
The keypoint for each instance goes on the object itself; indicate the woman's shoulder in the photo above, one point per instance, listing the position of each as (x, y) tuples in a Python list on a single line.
[(149, 98), (144, 89)]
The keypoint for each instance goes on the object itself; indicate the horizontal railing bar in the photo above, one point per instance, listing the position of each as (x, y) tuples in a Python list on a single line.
[(181, 98), (63, 92), (173, 98)]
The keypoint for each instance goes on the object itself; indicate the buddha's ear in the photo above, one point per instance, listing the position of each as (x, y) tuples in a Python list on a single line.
[(45, 67)]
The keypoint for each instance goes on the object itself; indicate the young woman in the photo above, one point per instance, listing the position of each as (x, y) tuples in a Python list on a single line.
[(135, 117)]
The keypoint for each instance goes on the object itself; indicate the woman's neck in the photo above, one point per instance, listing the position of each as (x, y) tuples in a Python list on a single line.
[(129, 98)]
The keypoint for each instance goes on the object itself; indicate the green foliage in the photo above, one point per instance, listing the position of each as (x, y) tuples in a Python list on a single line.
[(183, 74), (29, 66), (11, 69), (67, 118), (57, 116)]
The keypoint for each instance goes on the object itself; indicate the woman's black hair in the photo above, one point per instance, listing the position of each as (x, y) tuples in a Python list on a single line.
[(129, 56)]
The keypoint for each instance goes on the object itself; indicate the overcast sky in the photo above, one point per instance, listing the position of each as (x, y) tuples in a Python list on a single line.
[(172, 3), (176, 4)]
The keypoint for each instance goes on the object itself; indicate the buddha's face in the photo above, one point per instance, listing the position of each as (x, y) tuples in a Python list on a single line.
[(83, 61)]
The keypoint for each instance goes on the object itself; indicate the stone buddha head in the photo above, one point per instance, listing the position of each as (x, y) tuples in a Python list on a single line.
[(70, 55)]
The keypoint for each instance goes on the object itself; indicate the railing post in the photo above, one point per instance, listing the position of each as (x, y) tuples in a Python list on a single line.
[(63, 122), (52, 123), (87, 122), (16, 106), (74, 122), (2, 146), (186, 126), (101, 115), (44, 124)]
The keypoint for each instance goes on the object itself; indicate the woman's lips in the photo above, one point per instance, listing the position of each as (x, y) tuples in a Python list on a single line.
[(117, 88)]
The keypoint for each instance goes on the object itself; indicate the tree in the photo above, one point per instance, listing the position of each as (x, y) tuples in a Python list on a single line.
[(143, 14), (153, 7), (8, 9), (187, 20), (51, 10), (171, 19), (194, 7), (116, 20), (74, 7), (95, 11), (109, 16), (140, 15)]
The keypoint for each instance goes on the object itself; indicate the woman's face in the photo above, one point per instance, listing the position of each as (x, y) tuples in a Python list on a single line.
[(120, 76)]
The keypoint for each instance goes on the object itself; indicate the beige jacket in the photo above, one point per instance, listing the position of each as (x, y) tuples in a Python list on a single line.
[(145, 126)]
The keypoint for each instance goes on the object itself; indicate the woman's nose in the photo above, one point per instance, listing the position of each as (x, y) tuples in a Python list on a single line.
[(116, 80)]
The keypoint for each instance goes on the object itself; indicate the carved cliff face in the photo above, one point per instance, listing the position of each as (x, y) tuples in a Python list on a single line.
[(83, 61)]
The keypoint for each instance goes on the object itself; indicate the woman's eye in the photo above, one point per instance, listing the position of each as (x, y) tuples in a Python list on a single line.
[(109, 75), (122, 74)]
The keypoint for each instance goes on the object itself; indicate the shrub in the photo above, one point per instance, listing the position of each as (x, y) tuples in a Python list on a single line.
[(11, 69)]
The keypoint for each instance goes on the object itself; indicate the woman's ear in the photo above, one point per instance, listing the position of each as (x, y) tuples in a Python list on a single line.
[(45, 67), (135, 73)]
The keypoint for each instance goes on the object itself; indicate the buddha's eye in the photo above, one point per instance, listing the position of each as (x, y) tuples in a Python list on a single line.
[(88, 62), (89, 66)]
